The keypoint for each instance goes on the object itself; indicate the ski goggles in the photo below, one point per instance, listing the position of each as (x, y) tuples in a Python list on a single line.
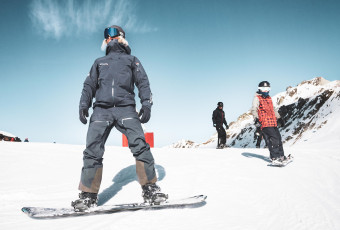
[(111, 32), (264, 89)]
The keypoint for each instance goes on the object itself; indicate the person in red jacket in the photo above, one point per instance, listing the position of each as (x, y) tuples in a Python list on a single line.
[(266, 118)]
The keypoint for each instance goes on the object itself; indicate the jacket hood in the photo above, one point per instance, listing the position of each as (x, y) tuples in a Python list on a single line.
[(115, 46)]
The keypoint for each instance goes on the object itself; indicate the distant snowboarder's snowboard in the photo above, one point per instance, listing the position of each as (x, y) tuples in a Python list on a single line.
[(290, 159), (41, 213)]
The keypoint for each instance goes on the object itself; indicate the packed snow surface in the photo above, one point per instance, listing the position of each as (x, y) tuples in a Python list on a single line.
[(243, 192)]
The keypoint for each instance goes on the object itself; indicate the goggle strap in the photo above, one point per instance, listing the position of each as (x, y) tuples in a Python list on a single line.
[(264, 89)]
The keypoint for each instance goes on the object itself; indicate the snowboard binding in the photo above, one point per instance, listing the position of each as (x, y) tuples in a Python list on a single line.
[(86, 200), (152, 194)]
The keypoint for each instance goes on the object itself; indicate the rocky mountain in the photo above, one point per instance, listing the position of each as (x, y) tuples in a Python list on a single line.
[(310, 110), (8, 136)]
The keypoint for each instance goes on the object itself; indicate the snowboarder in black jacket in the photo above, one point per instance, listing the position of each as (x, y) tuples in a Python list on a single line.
[(218, 118), (111, 82)]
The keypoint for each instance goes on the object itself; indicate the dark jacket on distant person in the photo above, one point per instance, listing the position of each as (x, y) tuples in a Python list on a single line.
[(218, 117)]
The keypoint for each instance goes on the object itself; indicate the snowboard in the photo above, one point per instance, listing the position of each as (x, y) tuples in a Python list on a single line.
[(51, 213), (289, 160)]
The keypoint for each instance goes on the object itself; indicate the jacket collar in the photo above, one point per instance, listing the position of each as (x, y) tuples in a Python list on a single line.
[(262, 94), (116, 47)]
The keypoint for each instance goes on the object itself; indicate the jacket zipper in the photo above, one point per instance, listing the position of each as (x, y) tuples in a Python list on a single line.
[(113, 83), (222, 118)]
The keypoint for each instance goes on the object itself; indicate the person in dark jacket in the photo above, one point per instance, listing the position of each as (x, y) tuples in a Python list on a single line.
[(111, 82), (218, 118), (266, 118)]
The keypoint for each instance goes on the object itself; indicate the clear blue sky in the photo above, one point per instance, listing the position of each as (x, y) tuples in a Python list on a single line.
[(195, 53)]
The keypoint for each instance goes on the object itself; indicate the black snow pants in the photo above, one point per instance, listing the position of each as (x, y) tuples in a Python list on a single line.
[(259, 136), (258, 141), (273, 140), (222, 135), (126, 120)]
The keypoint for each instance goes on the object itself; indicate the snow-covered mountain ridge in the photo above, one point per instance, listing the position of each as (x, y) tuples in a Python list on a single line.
[(310, 111), (6, 134)]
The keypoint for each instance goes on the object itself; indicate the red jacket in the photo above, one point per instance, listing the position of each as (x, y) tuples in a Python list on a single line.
[(266, 112)]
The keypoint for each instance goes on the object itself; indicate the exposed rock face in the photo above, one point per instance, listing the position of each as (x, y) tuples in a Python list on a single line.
[(184, 144)]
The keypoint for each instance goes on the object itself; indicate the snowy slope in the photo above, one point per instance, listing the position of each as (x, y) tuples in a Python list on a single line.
[(311, 111), (243, 192), (7, 134)]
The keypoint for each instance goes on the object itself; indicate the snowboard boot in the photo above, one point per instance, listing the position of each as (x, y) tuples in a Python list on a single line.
[(152, 194), (286, 159), (277, 161), (220, 146), (86, 200)]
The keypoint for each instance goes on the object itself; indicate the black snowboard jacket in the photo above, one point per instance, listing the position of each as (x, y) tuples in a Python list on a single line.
[(218, 117), (112, 79)]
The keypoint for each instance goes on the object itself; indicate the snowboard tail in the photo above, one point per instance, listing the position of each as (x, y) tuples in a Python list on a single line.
[(48, 213)]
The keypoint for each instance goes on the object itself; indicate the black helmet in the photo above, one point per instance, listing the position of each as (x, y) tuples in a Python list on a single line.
[(264, 88), (264, 84), (109, 32), (121, 31), (220, 104)]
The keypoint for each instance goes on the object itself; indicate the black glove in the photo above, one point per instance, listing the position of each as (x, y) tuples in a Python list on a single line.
[(258, 132), (226, 126), (281, 122), (257, 123), (83, 113), (144, 114)]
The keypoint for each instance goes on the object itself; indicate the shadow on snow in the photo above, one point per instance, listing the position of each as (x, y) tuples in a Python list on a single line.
[(124, 177), (254, 155)]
